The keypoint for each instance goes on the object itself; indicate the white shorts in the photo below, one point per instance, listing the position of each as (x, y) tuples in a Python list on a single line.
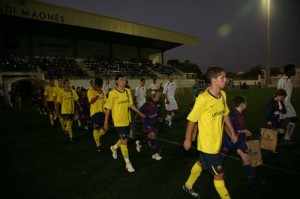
[(172, 106), (290, 112)]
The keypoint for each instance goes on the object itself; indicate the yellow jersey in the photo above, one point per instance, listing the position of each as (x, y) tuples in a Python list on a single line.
[(98, 105), (66, 99), (119, 102), (209, 112), (49, 93)]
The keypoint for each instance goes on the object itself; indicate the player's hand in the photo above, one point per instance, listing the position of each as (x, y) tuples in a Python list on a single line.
[(187, 144), (248, 133), (142, 115)]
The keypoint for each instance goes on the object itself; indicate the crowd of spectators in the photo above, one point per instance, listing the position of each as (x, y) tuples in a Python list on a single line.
[(63, 66)]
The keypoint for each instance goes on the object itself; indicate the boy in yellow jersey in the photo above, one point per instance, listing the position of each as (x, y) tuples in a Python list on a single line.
[(66, 99), (49, 100), (211, 112), (97, 98), (56, 90), (119, 101)]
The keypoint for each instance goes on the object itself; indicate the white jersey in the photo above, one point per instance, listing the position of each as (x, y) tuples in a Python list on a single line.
[(153, 87), (169, 89), (286, 84), (106, 88), (140, 94)]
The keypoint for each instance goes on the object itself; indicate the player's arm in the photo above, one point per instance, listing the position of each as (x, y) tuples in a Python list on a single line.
[(230, 131), (134, 108), (107, 114), (78, 104), (188, 134)]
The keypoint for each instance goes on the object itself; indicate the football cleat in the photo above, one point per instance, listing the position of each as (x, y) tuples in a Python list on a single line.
[(138, 146), (129, 168), (156, 156), (190, 191), (114, 152)]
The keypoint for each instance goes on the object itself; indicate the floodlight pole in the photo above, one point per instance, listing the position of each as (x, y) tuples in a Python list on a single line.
[(268, 53)]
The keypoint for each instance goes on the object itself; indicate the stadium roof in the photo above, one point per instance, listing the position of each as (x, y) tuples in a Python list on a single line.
[(40, 18)]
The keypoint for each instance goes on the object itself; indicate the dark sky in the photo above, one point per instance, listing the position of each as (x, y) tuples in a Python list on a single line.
[(231, 33)]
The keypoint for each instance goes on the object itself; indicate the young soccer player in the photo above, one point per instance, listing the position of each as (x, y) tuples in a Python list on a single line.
[(170, 101), (211, 112), (274, 108), (56, 90), (285, 83), (66, 99), (150, 126), (49, 100), (97, 99), (240, 146), (118, 102)]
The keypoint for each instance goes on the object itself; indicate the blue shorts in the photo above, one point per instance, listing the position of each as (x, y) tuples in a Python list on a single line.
[(229, 147), (98, 119), (211, 163), (123, 131)]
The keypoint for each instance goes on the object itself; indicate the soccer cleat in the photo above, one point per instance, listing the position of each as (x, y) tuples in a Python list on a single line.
[(156, 156), (114, 152), (129, 168), (190, 191), (98, 149), (138, 146)]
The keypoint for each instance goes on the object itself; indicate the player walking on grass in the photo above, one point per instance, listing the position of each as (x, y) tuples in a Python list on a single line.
[(285, 83), (49, 100), (66, 99), (97, 99), (170, 101), (57, 89), (150, 126), (272, 115), (238, 122), (211, 112), (119, 101)]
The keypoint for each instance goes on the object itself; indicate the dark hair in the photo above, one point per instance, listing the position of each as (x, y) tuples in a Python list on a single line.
[(66, 80), (213, 72), (169, 74), (143, 79), (288, 68), (98, 81), (238, 100), (119, 75), (281, 92)]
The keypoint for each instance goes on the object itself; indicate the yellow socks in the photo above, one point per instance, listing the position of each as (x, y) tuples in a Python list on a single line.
[(221, 189), (96, 134), (69, 128), (62, 123), (117, 145), (124, 151), (195, 173)]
